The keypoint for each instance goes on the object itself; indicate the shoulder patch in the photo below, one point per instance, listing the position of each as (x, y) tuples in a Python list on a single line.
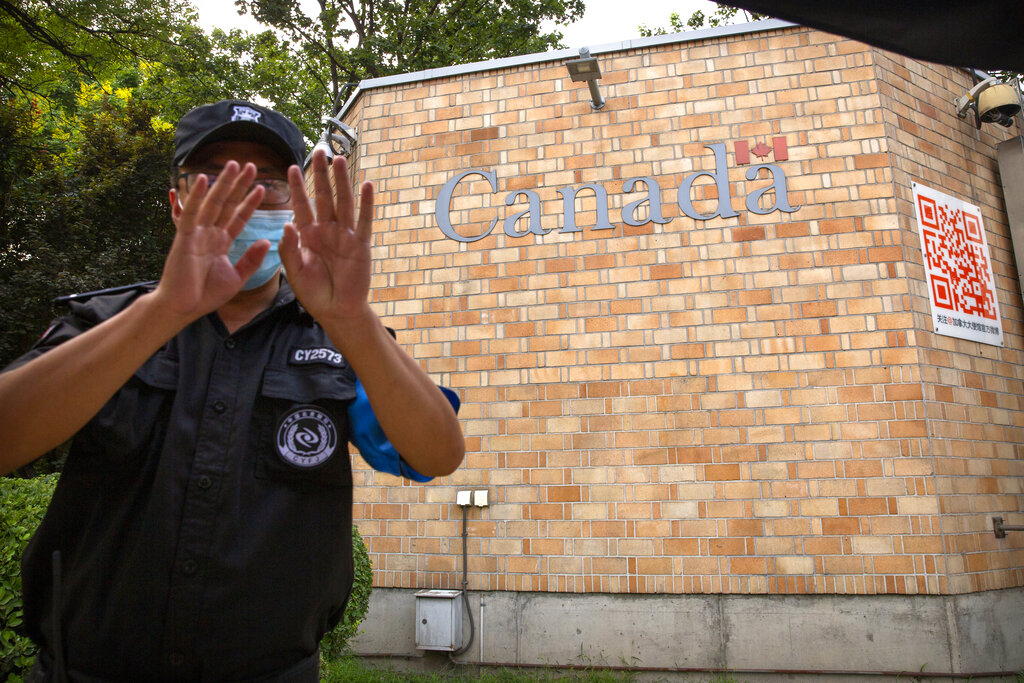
[(317, 355)]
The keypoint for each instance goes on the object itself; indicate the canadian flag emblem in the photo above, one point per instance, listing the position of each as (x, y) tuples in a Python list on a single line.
[(761, 150)]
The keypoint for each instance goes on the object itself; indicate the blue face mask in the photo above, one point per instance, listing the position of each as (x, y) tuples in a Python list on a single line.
[(262, 225)]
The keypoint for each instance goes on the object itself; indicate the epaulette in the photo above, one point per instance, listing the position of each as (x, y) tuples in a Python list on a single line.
[(67, 299)]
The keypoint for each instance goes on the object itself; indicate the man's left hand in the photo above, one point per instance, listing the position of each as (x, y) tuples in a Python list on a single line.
[(327, 253)]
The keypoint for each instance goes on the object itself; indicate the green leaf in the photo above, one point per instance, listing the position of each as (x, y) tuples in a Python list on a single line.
[(22, 504)]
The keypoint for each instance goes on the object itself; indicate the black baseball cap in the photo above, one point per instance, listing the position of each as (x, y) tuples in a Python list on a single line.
[(238, 120)]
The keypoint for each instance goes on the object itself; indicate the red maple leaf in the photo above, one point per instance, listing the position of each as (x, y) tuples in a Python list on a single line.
[(761, 150)]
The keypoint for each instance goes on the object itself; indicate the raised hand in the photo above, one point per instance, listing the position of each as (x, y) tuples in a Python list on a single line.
[(198, 277), (327, 253), (327, 257)]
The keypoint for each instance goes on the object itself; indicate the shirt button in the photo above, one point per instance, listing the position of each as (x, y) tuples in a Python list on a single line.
[(204, 482), (176, 659), (229, 344), (219, 407), (189, 567)]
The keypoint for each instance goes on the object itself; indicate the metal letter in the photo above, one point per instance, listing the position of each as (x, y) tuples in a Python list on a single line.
[(443, 205), (721, 176), (533, 209), (653, 196), (781, 191), (569, 202)]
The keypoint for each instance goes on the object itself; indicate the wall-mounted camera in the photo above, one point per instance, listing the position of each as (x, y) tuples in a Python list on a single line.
[(991, 101), (338, 138)]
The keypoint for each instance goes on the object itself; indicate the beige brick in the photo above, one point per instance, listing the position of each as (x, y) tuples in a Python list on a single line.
[(794, 565)]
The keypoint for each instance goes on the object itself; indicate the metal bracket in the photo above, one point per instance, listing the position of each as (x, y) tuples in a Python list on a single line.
[(1000, 528), (337, 138)]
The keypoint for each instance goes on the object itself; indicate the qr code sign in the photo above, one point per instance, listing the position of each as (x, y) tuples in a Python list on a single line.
[(960, 281), (956, 259)]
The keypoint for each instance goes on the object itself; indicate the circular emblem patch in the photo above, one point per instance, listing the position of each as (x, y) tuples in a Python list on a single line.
[(306, 436)]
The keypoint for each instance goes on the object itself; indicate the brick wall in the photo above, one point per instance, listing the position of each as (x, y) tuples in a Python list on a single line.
[(972, 392), (753, 404)]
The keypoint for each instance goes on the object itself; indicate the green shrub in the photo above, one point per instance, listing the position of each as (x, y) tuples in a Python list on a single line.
[(335, 643), (22, 504)]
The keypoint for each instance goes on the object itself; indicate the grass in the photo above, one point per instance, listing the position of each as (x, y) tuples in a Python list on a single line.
[(353, 670)]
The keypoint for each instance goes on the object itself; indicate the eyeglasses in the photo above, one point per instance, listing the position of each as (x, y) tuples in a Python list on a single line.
[(275, 190)]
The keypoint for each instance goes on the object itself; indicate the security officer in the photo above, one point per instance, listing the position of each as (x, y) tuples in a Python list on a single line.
[(201, 529)]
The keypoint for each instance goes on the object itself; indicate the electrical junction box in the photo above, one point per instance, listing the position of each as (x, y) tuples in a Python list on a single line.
[(439, 620)]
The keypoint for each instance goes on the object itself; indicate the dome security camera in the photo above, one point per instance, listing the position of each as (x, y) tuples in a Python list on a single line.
[(998, 104), (991, 101)]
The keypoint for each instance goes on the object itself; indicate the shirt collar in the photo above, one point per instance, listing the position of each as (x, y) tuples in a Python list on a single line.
[(286, 297)]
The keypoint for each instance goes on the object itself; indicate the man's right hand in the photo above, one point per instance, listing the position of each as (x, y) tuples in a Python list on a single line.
[(198, 277)]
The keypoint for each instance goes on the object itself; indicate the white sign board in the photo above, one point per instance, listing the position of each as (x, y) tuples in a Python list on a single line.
[(958, 267)]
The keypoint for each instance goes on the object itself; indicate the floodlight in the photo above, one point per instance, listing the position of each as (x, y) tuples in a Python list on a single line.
[(586, 68)]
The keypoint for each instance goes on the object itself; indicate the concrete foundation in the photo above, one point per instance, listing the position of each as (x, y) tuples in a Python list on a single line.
[(830, 637)]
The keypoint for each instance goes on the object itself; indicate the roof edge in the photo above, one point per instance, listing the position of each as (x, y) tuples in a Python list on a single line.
[(556, 55)]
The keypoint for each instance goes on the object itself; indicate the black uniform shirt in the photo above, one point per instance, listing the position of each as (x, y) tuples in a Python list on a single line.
[(204, 515)]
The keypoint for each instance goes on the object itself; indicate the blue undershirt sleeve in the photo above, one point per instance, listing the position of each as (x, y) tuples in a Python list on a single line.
[(373, 445)]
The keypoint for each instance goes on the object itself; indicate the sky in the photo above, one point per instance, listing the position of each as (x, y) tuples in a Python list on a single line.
[(601, 23)]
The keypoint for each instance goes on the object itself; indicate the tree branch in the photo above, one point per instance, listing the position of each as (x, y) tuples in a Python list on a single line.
[(40, 34)]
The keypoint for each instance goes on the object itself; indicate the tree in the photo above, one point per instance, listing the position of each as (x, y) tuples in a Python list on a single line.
[(49, 48), (43, 42), (350, 40), (88, 89), (722, 16), (222, 65), (87, 214)]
